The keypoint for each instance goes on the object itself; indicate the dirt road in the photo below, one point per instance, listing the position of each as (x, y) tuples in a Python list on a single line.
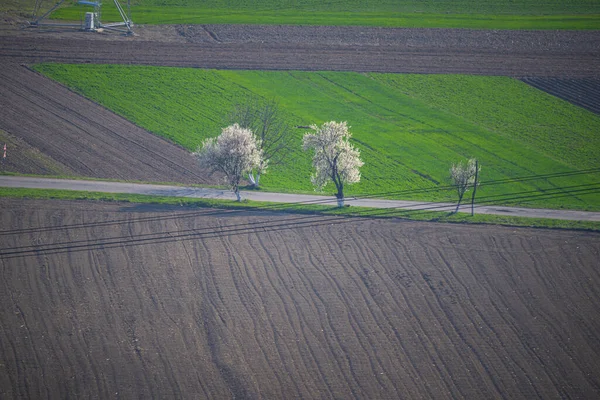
[(193, 192)]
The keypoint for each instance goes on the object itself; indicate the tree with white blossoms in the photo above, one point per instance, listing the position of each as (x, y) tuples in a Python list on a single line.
[(335, 159), (463, 177), (235, 152)]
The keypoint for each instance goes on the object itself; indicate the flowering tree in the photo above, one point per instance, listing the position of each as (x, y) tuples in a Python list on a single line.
[(335, 159), (235, 152), (266, 119), (463, 177)]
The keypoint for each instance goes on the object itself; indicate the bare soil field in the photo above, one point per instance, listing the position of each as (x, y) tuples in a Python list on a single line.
[(83, 137), (510, 53), (117, 300)]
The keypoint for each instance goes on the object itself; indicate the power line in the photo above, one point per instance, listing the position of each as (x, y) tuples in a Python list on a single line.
[(249, 227), (282, 207)]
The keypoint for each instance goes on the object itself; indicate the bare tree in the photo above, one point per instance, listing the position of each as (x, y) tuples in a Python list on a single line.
[(335, 159), (463, 177), (267, 121), (235, 152)]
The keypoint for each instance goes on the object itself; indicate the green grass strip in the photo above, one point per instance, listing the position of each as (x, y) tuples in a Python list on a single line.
[(193, 15), (364, 212)]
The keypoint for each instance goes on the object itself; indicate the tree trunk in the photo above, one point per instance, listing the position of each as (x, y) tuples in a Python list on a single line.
[(237, 194), (253, 181), (257, 179), (340, 195), (458, 204)]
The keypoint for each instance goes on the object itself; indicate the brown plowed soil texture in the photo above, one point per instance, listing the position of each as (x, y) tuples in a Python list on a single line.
[(83, 137), (511, 53), (583, 92), (121, 301)]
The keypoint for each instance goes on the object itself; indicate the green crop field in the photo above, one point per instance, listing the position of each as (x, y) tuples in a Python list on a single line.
[(485, 14), (409, 128)]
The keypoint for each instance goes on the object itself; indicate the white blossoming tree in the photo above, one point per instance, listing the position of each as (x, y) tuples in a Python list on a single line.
[(234, 152), (335, 159), (463, 177)]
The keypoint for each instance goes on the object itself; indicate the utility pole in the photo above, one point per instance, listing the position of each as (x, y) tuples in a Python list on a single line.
[(474, 187)]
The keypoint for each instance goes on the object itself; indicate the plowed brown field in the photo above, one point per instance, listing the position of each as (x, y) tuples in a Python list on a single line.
[(121, 301), (84, 137), (510, 53)]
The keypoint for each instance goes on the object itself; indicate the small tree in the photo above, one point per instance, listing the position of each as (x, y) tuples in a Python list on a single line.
[(235, 152), (270, 126), (335, 159), (463, 177)]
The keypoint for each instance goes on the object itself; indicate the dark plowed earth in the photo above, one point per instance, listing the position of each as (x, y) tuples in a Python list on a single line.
[(120, 301), (85, 137), (511, 53), (584, 92)]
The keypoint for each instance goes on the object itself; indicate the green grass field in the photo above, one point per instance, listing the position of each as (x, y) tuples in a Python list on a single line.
[(500, 14), (409, 128)]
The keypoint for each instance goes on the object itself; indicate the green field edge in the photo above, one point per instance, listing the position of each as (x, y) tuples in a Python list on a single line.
[(194, 15), (247, 205)]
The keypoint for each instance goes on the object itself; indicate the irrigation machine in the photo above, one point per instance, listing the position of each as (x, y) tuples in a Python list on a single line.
[(92, 20)]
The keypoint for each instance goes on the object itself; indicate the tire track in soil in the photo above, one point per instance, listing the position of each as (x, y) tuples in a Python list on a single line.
[(323, 316), (444, 339), (215, 325), (464, 283), (365, 248), (267, 261), (353, 321), (303, 322), (491, 302), (379, 262), (235, 263), (337, 279), (469, 338), (455, 328), (424, 342), (297, 306), (548, 316), (535, 311), (361, 285), (308, 278), (343, 351)]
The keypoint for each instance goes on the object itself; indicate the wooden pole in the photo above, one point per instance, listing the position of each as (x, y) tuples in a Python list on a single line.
[(474, 188)]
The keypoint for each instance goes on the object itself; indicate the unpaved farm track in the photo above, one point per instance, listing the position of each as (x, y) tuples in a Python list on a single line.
[(121, 301)]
